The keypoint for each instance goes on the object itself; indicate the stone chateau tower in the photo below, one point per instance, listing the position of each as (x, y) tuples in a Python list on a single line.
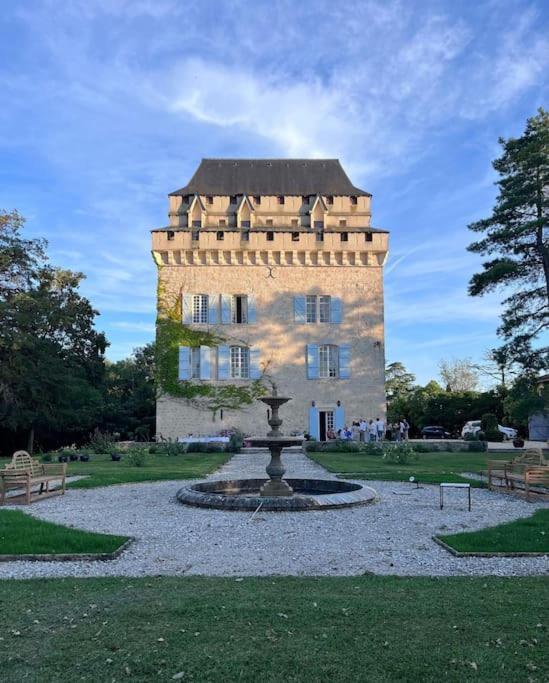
[(271, 270)]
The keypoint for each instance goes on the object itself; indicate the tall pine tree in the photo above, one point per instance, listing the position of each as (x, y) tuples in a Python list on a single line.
[(517, 236)]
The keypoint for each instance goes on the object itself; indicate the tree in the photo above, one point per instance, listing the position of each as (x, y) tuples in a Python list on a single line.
[(398, 380), (51, 357), (458, 375), (516, 235), (130, 396)]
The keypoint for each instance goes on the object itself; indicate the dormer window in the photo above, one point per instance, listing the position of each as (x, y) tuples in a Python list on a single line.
[(245, 224), (342, 223), (295, 223), (269, 222), (330, 199), (281, 199), (197, 224), (222, 222), (257, 199), (354, 201), (319, 225)]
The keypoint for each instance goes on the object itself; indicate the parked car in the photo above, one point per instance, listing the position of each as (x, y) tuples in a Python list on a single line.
[(473, 426), (434, 432)]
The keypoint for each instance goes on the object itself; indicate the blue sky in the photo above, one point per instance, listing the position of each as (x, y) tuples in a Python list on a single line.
[(108, 105)]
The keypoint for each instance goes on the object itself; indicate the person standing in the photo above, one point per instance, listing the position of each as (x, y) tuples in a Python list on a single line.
[(401, 429), (406, 429), (355, 429), (372, 430), (363, 427), (380, 428)]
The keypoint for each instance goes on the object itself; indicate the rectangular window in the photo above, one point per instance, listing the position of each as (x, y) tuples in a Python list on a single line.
[(342, 223), (245, 224), (195, 362), (295, 237), (354, 201), (239, 309), (319, 225), (318, 308), (269, 222), (320, 236), (257, 199), (222, 222), (368, 236), (270, 236), (281, 199), (329, 199), (329, 420), (209, 199), (295, 223), (240, 362), (344, 236), (195, 235), (324, 309), (200, 308), (220, 235), (245, 236), (171, 235), (328, 355), (197, 224), (311, 309)]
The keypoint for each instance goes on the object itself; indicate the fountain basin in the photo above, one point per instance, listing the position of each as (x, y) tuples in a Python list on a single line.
[(308, 494)]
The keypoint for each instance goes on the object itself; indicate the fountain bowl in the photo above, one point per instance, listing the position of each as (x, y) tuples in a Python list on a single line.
[(245, 495)]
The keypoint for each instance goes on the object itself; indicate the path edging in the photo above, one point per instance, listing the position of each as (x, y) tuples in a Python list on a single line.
[(68, 557), (458, 553)]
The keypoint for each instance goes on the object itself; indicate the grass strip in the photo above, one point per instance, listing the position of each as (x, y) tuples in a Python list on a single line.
[(274, 629), (21, 534), (529, 535)]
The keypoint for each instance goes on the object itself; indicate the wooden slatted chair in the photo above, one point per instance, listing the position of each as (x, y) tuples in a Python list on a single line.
[(32, 478)]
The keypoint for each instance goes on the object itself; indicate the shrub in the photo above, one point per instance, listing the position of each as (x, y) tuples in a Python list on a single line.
[(470, 436), (477, 446), (425, 448), (169, 447), (47, 457), (137, 456), (236, 441), (371, 448), (102, 442), (399, 454), (197, 447)]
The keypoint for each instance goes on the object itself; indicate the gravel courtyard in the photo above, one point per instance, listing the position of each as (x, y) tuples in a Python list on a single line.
[(392, 536)]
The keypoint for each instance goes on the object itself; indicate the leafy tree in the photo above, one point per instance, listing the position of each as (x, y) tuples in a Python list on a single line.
[(516, 236), (398, 380), (130, 399), (51, 357), (458, 375)]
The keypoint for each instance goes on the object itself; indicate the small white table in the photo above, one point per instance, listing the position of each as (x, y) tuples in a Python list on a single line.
[(454, 486)]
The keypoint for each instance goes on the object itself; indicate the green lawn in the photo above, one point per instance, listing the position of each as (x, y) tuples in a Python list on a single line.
[(380, 629), (22, 534), (429, 468), (530, 535), (102, 471)]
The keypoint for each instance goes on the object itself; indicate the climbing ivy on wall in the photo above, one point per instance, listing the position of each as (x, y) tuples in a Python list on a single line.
[(171, 333)]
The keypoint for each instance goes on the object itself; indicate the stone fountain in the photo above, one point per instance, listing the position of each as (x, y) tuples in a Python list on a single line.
[(276, 493)]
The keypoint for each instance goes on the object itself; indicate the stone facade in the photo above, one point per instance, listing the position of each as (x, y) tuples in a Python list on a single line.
[(276, 250)]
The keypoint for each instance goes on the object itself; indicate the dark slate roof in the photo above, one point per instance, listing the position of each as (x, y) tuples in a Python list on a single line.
[(270, 177)]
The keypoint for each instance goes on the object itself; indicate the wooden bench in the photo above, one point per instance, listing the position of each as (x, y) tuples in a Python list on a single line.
[(538, 477), (26, 474), (514, 472)]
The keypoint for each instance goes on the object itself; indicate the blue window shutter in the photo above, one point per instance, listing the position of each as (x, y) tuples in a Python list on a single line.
[(300, 309), (187, 309), (255, 369), (251, 309), (213, 308), (339, 418), (312, 361), (345, 361), (336, 310), (223, 362), (226, 309), (205, 367), (314, 428), (184, 363)]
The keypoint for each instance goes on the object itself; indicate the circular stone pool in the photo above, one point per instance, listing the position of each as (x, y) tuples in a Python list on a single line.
[(309, 494)]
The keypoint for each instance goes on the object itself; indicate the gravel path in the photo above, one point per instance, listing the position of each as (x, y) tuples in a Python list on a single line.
[(390, 537)]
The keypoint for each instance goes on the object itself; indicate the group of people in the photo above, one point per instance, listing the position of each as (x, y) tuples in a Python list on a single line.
[(371, 430)]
